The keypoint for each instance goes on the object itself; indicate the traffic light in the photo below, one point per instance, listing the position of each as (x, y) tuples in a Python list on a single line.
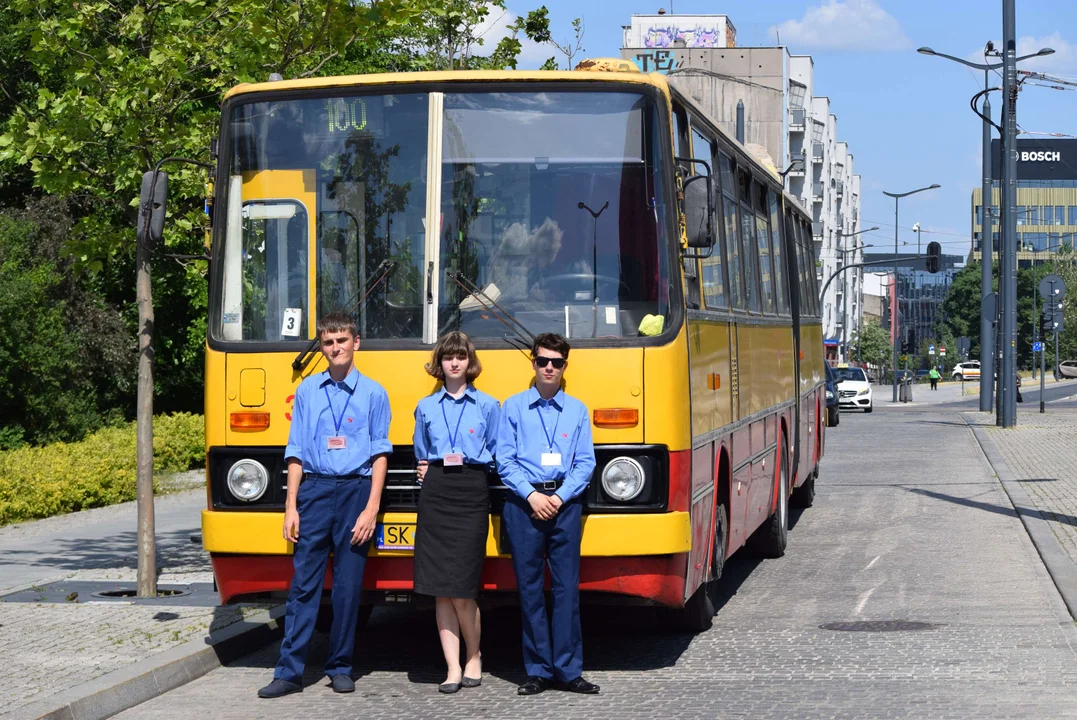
[(934, 257)]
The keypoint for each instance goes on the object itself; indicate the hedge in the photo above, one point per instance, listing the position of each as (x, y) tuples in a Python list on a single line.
[(37, 482)]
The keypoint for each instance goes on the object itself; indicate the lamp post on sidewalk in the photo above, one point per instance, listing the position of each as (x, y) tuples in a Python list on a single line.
[(987, 340), (845, 294), (897, 303)]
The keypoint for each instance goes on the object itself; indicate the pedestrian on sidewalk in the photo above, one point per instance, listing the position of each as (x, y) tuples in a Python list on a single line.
[(546, 457), (337, 456), (455, 435), (934, 376)]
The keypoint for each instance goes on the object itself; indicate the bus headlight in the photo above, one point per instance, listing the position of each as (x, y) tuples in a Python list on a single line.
[(248, 480), (623, 479)]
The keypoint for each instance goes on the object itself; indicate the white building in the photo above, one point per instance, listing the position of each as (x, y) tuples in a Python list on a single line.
[(784, 116)]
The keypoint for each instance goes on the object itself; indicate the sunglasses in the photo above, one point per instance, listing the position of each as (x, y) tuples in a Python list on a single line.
[(544, 361)]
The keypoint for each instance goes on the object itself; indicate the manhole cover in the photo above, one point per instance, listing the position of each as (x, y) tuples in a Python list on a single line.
[(131, 593), (879, 626)]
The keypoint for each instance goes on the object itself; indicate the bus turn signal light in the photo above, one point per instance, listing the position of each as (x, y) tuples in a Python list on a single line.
[(249, 421), (616, 417)]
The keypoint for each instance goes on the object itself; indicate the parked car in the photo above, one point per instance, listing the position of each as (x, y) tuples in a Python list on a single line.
[(1068, 369), (854, 390), (901, 376), (966, 371), (833, 414), (922, 375)]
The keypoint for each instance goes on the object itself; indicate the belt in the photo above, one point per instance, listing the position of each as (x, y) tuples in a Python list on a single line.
[(338, 478), (477, 466), (548, 485)]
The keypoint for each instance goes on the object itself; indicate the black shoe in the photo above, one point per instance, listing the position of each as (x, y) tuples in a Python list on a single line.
[(448, 688), (470, 682), (342, 683), (533, 686), (279, 688), (579, 685)]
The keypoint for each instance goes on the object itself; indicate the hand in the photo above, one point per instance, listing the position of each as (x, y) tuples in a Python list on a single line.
[(364, 526), (541, 506), (421, 470), (556, 501), (291, 525)]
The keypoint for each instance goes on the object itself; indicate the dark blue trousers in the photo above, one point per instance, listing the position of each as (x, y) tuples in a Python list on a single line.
[(328, 510), (553, 647)]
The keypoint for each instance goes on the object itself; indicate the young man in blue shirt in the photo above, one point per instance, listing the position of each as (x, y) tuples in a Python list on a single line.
[(338, 448), (545, 456)]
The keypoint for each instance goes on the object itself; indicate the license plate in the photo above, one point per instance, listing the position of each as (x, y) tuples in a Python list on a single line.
[(395, 537)]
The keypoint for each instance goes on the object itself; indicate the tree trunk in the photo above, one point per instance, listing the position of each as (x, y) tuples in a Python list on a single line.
[(147, 550)]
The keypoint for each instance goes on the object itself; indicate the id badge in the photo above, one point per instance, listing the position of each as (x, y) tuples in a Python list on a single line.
[(551, 459), (337, 442), (453, 459)]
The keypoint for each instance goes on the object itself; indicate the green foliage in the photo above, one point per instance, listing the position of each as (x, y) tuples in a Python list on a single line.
[(874, 344), (37, 482)]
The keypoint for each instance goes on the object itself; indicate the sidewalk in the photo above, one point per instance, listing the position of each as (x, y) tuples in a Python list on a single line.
[(1037, 460), (65, 647)]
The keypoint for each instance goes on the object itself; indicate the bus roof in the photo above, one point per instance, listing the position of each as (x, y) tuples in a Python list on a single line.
[(457, 76)]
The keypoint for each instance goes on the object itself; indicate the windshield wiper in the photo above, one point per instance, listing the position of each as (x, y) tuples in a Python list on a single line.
[(520, 332), (381, 272)]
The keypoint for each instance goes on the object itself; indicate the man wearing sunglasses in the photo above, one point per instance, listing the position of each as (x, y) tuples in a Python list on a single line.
[(545, 456)]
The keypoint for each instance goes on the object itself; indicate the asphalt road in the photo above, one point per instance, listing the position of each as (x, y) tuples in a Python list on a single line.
[(910, 590)]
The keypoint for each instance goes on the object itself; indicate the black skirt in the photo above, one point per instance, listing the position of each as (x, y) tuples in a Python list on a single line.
[(452, 527)]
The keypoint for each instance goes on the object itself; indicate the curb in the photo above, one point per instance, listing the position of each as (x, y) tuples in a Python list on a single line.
[(1059, 565), (127, 687)]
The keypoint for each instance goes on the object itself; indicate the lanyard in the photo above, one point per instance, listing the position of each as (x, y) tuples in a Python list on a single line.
[(549, 441), (336, 421), (453, 435)]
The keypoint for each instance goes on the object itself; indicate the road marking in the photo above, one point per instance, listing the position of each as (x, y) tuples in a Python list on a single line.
[(873, 562), (864, 598)]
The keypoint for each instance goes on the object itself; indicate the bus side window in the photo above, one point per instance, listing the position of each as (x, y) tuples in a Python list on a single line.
[(781, 291), (809, 267), (749, 256), (762, 240), (713, 281), (731, 246)]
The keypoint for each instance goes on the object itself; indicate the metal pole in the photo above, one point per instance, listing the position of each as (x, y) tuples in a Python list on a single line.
[(1043, 369), (1056, 355), (894, 305), (1008, 281), (845, 305), (987, 248)]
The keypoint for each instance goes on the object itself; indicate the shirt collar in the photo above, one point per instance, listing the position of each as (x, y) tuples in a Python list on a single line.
[(350, 381), (469, 393), (533, 398)]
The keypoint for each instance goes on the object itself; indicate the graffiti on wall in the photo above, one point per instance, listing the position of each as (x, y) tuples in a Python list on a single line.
[(661, 61), (700, 36)]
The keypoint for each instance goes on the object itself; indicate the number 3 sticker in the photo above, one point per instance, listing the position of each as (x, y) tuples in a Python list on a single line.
[(293, 317)]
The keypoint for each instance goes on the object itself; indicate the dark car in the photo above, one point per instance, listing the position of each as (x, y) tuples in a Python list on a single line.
[(901, 376), (922, 375), (833, 416)]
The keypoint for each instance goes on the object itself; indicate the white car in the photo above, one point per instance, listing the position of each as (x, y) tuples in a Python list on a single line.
[(854, 390), (966, 371)]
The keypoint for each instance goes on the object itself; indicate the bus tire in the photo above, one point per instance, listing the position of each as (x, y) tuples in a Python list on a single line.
[(772, 536), (699, 611), (804, 496)]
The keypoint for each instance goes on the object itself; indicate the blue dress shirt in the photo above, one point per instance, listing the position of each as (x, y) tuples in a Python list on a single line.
[(523, 437), (358, 405), (470, 421)]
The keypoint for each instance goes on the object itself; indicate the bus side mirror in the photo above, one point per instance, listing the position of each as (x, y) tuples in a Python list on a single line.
[(699, 211), (151, 207), (934, 257)]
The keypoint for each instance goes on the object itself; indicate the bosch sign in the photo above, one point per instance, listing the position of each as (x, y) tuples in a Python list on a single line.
[(1041, 156), (1041, 159)]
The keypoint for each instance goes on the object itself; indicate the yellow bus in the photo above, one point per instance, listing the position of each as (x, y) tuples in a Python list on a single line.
[(601, 204)]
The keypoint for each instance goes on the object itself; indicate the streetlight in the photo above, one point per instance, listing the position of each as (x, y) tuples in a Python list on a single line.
[(987, 341), (845, 294), (894, 310)]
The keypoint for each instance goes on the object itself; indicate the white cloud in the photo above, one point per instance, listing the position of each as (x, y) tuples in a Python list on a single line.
[(1063, 61), (843, 25)]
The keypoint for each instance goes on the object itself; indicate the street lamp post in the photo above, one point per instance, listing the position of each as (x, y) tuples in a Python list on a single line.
[(845, 295), (987, 341), (896, 305)]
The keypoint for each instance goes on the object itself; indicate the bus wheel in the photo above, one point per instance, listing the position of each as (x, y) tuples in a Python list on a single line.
[(804, 496), (699, 611), (770, 539)]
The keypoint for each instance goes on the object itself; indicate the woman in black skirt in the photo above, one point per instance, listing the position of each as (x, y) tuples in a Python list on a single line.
[(455, 435)]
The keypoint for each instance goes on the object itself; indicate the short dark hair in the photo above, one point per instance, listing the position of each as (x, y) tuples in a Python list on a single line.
[(335, 322), (550, 341), (454, 344)]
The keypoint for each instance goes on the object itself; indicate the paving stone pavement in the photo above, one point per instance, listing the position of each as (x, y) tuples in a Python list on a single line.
[(1041, 452), (909, 524)]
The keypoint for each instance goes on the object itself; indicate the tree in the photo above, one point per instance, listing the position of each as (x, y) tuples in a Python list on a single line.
[(448, 36), (571, 48), (873, 343)]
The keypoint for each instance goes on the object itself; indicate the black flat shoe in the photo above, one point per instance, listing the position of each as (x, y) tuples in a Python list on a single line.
[(470, 682), (342, 683), (279, 688), (579, 685), (448, 688), (533, 686)]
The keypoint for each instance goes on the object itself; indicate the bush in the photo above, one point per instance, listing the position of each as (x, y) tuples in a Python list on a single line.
[(37, 482)]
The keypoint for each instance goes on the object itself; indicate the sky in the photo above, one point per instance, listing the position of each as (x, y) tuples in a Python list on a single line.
[(905, 116)]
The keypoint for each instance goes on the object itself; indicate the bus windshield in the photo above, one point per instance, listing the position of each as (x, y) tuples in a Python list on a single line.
[(550, 203)]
